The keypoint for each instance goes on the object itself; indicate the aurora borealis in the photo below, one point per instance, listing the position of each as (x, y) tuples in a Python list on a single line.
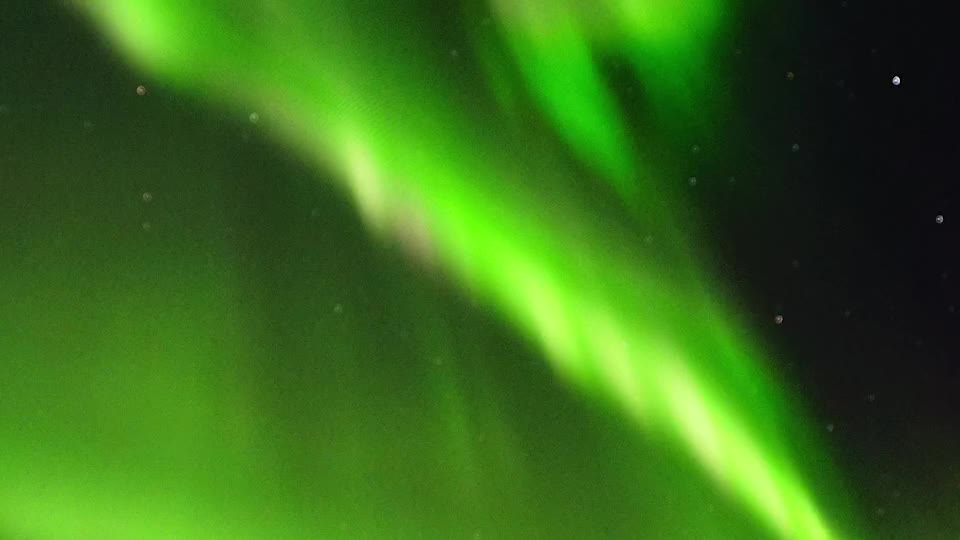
[(503, 174)]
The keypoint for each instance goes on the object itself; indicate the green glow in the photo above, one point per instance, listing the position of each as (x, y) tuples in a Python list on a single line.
[(453, 176), (556, 43)]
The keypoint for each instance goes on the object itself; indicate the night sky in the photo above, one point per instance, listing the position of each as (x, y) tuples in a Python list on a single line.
[(826, 204), (847, 242)]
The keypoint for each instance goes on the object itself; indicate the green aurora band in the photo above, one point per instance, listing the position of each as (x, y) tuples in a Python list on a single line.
[(450, 164)]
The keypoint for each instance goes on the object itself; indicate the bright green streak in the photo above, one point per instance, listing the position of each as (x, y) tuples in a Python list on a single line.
[(454, 176)]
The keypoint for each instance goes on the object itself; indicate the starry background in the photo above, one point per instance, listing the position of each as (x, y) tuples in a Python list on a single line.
[(838, 235), (846, 242)]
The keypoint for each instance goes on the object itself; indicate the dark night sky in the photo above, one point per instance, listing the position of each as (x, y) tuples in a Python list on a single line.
[(871, 326)]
